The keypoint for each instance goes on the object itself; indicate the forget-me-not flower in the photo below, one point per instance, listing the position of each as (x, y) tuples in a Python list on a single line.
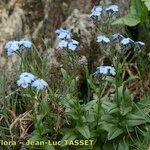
[(62, 44), (112, 8), (25, 79), (12, 46), (126, 41), (72, 45), (63, 34), (26, 74), (103, 39), (96, 11), (105, 70), (69, 44), (25, 43), (117, 36), (139, 44), (39, 84), (66, 41)]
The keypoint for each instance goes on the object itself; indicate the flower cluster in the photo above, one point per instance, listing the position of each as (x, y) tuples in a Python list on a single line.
[(69, 44), (105, 70), (65, 40), (127, 42), (124, 42), (14, 46), (27, 79), (98, 10)]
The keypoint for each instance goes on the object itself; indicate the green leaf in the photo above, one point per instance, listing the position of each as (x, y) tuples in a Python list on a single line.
[(109, 119), (44, 106), (120, 93), (92, 85), (64, 73), (90, 105), (136, 7), (129, 20), (106, 105), (123, 97), (48, 147), (123, 145), (114, 132), (84, 130), (69, 136), (138, 13), (125, 110), (147, 3), (110, 79), (90, 117), (110, 107), (113, 109), (72, 86), (134, 120)]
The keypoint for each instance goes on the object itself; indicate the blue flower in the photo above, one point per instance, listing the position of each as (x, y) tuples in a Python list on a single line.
[(26, 43), (72, 45), (69, 44), (63, 34), (39, 84), (103, 39), (26, 74), (25, 79), (117, 36), (105, 70), (62, 44), (139, 44), (112, 8), (96, 11), (126, 41), (12, 46)]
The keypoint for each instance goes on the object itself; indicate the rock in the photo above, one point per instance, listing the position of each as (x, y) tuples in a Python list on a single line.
[(11, 27)]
